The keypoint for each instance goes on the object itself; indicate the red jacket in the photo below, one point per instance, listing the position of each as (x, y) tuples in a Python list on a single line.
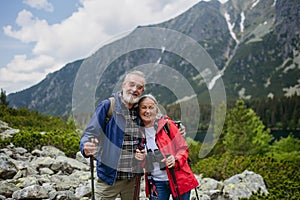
[(176, 145)]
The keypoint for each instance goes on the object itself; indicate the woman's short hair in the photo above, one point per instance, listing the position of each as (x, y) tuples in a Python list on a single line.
[(150, 96)]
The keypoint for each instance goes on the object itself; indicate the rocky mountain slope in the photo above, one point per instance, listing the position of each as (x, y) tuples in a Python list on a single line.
[(254, 44)]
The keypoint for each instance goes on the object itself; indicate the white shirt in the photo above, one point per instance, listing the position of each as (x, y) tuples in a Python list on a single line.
[(157, 174)]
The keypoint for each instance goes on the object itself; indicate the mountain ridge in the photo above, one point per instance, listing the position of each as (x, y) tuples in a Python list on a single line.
[(254, 44)]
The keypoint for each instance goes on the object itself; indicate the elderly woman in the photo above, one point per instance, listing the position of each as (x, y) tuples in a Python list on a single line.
[(167, 170)]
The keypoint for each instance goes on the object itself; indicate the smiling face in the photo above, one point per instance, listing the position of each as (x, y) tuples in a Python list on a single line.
[(148, 111), (133, 87)]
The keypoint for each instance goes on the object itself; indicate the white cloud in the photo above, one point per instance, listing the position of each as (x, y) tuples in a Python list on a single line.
[(40, 4), (82, 33), (9, 76), (22, 72), (21, 64), (31, 28), (223, 1)]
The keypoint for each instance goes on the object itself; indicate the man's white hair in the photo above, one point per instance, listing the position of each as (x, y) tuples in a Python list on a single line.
[(135, 72)]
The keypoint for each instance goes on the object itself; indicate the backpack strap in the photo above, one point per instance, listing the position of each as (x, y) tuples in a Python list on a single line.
[(111, 109), (167, 129)]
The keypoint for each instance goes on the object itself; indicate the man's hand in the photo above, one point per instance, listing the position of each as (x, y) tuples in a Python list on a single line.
[(140, 154), (182, 130), (90, 148)]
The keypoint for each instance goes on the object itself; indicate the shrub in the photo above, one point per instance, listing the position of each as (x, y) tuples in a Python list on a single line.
[(286, 149), (194, 148), (68, 142), (28, 140), (281, 177), (222, 167), (37, 130)]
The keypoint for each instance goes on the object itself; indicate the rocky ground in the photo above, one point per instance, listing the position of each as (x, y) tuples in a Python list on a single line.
[(49, 174)]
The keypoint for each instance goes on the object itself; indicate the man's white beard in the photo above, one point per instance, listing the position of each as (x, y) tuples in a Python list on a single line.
[(128, 98)]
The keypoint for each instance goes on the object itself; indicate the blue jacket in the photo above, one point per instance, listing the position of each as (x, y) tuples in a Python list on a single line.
[(110, 140)]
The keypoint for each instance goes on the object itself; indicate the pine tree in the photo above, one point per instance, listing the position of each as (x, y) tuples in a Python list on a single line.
[(219, 126), (244, 132), (3, 100)]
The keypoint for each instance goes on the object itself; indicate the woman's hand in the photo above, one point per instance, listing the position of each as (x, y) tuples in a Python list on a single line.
[(182, 130), (170, 161)]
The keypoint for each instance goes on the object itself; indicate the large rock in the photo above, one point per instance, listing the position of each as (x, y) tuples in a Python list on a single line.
[(7, 168), (6, 131), (238, 186), (8, 188), (244, 184), (31, 192)]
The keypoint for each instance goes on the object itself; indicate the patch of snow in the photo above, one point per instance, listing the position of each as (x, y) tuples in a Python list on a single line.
[(242, 21), (254, 4), (296, 57), (213, 81), (283, 64), (163, 49), (260, 31), (158, 60), (292, 66), (242, 94), (270, 95), (267, 83), (186, 98), (292, 90), (230, 27)]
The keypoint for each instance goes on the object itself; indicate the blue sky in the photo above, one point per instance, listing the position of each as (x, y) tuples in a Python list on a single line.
[(38, 37)]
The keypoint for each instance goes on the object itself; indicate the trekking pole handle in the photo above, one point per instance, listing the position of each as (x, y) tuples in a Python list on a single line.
[(93, 140), (172, 171)]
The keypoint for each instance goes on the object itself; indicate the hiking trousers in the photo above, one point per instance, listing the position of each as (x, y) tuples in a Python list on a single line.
[(124, 188)]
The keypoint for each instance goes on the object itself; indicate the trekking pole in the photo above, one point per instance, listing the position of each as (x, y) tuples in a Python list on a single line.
[(138, 176), (137, 188), (174, 179), (196, 193), (92, 177), (92, 139), (172, 168), (175, 182)]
